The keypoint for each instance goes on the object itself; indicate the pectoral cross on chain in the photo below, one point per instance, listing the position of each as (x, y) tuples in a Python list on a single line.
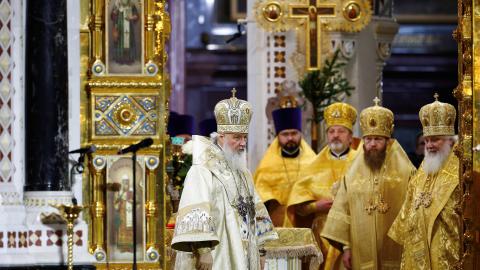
[(312, 14), (370, 208), (423, 198), (246, 208)]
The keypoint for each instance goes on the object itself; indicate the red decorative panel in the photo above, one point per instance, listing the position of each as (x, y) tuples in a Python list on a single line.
[(77, 238), (11, 237), (54, 237), (34, 238), (22, 240)]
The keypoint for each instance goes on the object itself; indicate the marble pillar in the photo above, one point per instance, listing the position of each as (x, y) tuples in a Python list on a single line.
[(46, 83)]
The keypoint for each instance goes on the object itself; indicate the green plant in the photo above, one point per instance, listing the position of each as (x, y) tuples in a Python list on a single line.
[(323, 87), (181, 165)]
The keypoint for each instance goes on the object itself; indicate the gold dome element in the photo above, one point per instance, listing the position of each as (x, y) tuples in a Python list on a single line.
[(438, 118), (356, 15), (233, 115), (339, 113), (376, 120), (272, 15), (288, 102)]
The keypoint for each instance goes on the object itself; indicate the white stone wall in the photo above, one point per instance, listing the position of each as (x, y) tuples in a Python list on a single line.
[(24, 239)]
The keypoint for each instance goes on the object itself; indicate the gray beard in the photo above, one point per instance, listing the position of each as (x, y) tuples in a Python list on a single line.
[(337, 147), (235, 160), (433, 162)]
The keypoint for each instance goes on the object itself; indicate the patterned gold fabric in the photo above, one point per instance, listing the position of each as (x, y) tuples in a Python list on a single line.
[(339, 113), (438, 118), (321, 174), (233, 115), (276, 175), (295, 243), (430, 233), (376, 121), (291, 243), (365, 207)]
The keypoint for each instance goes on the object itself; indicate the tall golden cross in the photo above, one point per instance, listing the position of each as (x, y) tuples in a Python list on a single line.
[(312, 14)]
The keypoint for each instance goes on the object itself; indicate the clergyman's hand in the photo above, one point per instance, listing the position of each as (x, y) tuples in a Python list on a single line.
[(262, 262), (324, 205), (347, 258), (204, 260)]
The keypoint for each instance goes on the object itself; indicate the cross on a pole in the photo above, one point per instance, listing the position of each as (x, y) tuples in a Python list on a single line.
[(312, 14)]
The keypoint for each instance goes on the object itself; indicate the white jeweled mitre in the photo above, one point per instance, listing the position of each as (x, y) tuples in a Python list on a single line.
[(233, 115)]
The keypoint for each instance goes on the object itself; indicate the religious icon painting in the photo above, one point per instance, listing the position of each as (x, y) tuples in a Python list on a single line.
[(124, 37), (119, 204)]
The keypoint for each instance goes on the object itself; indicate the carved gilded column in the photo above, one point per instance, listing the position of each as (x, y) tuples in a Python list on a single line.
[(152, 207), (97, 26), (97, 208), (468, 37)]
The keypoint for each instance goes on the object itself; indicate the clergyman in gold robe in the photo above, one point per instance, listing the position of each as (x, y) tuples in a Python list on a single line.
[(311, 198), (429, 225), (370, 196), (284, 163)]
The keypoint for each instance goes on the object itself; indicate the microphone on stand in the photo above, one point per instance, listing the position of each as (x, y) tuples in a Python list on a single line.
[(238, 34), (135, 147), (78, 167), (85, 150)]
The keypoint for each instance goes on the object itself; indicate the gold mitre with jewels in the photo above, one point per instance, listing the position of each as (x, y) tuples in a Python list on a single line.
[(233, 115), (341, 114), (438, 118), (376, 120)]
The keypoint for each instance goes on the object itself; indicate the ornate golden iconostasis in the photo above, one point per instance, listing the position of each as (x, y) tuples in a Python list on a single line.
[(125, 100), (467, 92)]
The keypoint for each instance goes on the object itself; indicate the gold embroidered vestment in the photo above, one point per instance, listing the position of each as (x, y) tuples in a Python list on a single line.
[(365, 207), (275, 176), (429, 228)]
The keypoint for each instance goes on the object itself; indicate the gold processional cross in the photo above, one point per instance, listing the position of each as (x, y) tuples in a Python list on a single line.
[(312, 13)]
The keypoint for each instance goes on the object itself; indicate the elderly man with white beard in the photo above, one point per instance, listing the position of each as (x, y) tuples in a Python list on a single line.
[(222, 223), (429, 225)]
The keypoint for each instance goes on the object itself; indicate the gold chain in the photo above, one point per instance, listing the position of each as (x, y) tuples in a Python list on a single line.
[(286, 171), (379, 205)]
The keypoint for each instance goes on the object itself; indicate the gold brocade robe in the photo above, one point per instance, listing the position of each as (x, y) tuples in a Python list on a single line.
[(321, 174), (275, 176), (358, 218), (430, 234)]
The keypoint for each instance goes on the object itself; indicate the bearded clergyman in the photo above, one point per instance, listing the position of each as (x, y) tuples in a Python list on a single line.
[(311, 198), (222, 223), (284, 162), (429, 225), (370, 196)]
